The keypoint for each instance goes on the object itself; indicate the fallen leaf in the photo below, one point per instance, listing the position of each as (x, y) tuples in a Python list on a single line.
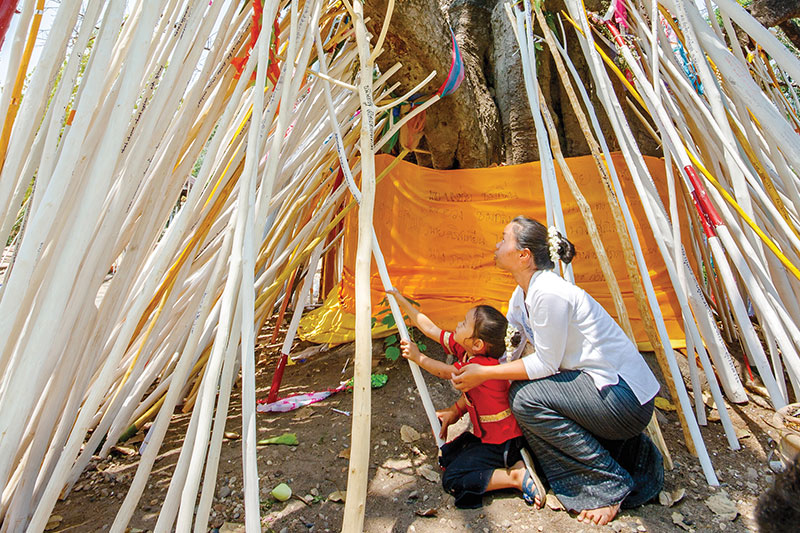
[(337, 496), (668, 499), (664, 404), (53, 522), (428, 473), (677, 519), (553, 502), (345, 454), (290, 439), (230, 527), (409, 434), (722, 506), (430, 512), (231, 435), (124, 450), (709, 400)]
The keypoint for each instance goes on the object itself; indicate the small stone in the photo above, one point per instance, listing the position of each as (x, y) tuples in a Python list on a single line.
[(413, 495), (104, 493), (224, 492), (505, 524), (751, 474), (641, 528), (617, 526)]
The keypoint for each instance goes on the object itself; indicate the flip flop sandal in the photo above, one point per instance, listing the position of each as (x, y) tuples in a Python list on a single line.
[(532, 486)]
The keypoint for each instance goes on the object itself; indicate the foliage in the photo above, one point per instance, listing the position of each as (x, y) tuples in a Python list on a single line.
[(392, 342)]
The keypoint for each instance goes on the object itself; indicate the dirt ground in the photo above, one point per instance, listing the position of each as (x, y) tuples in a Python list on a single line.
[(404, 493)]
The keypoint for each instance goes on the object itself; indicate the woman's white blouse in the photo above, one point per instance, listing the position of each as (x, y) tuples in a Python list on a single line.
[(571, 331)]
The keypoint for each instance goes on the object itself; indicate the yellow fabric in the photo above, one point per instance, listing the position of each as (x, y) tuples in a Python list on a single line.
[(330, 324), (438, 229)]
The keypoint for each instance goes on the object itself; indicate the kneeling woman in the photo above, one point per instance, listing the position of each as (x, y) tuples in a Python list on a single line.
[(584, 397)]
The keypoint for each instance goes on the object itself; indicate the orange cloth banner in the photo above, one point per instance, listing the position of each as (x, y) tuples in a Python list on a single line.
[(438, 228)]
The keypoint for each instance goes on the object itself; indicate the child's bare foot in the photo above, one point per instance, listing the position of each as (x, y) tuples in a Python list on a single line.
[(600, 516)]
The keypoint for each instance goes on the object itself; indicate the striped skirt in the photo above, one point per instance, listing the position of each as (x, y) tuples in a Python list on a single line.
[(589, 443)]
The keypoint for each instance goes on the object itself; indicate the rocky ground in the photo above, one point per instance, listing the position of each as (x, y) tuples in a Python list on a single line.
[(404, 491)]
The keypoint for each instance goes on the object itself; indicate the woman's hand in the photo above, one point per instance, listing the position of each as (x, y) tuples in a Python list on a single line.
[(469, 377), (410, 351), (448, 416)]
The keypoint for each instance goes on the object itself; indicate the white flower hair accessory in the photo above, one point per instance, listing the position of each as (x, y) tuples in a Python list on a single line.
[(510, 332), (553, 243)]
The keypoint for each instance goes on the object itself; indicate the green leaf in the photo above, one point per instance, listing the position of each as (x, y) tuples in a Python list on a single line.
[(421, 347), (378, 380), (392, 353), (374, 321), (290, 439), (388, 320), (391, 339)]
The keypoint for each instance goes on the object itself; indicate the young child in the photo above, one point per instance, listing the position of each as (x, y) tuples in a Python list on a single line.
[(493, 457)]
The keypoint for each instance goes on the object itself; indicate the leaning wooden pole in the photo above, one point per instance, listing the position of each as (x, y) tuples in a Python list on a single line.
[(631, 263), (355, 504)]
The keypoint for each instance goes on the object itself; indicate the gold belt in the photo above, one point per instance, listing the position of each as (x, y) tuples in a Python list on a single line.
[(495, 417)]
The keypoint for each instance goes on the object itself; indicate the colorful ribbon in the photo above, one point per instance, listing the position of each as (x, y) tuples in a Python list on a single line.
[(456, 74)]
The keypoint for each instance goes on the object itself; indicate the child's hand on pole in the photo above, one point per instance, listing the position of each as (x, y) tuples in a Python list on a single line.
[(399, 297), (410, 351), (447, 417)]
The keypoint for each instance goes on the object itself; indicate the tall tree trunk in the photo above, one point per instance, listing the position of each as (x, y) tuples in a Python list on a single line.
[(779, 13), (487, 120)]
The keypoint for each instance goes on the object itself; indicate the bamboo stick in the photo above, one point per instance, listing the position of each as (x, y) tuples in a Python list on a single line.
[(602, 80), (353, 520)]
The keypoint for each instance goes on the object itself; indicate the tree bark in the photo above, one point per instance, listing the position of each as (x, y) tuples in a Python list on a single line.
[(463, 129), (779, 13), (487, 120), (791, 28), (774, 12)]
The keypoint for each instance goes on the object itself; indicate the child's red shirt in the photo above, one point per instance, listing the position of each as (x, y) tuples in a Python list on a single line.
[(487, 404)]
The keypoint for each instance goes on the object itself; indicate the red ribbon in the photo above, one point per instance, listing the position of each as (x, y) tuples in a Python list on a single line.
[(273, 70)]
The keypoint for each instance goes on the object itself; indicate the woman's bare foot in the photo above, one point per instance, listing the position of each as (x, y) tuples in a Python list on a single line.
[(600, 516)]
